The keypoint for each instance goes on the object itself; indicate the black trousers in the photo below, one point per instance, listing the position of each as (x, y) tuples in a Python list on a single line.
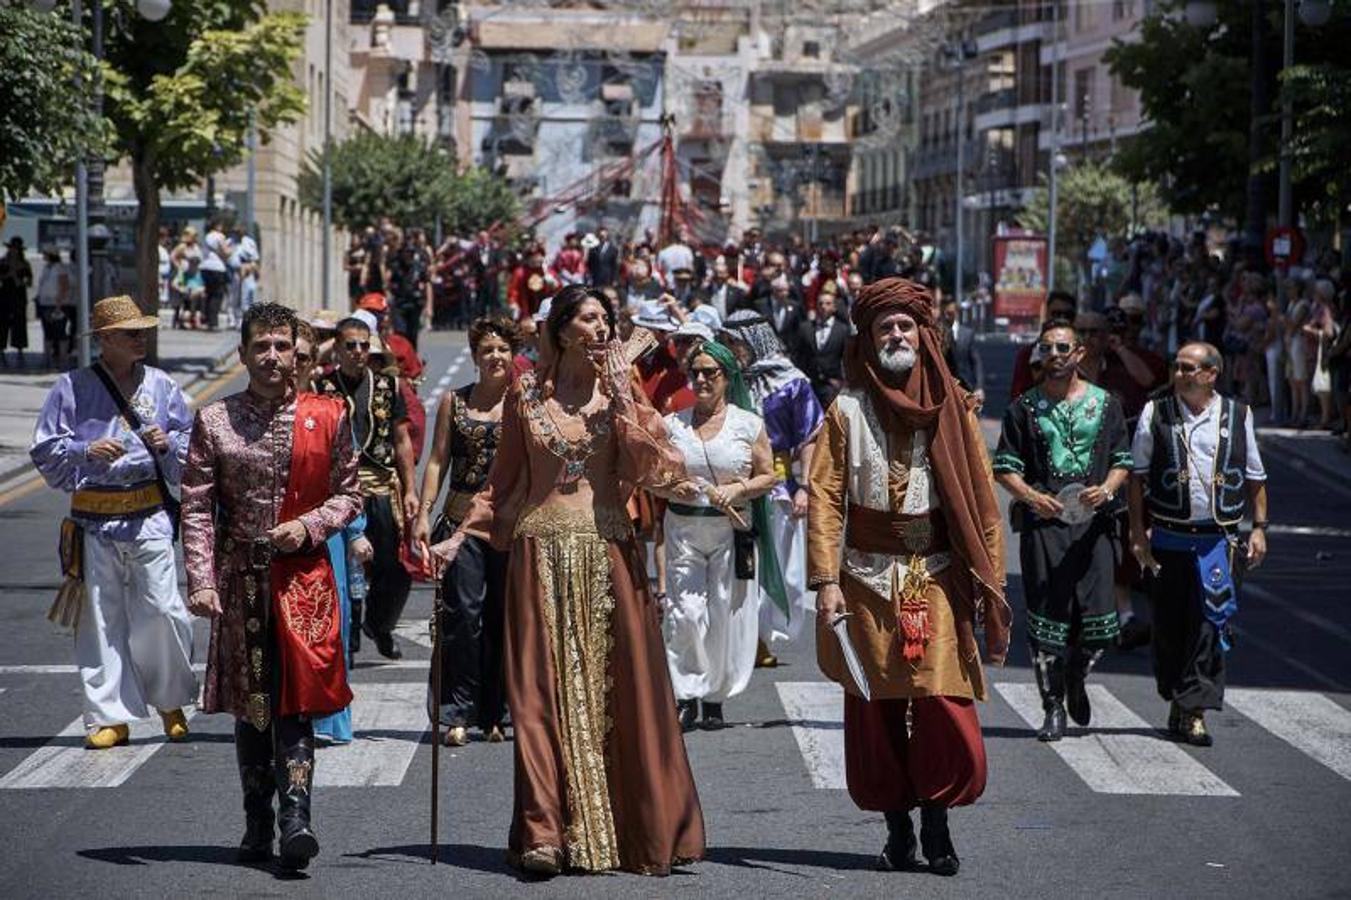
[(473, 691), (1188, 660), (216, 285), (389, 582), (408, 321)]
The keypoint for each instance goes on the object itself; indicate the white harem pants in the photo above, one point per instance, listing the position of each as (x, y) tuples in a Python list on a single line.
[(134, 640), (712, 618)]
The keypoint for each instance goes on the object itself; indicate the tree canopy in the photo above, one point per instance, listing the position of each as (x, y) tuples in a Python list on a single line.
[(1093, 200), (42, 132), (1195, 89), (411, 180)]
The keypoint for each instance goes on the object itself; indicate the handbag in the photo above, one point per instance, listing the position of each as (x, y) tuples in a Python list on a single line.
[(171, 505)]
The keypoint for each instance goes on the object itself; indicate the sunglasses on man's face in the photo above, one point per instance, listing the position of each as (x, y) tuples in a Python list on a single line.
[(1188, 368), (304, 359), (357, 345), (1062, 348)]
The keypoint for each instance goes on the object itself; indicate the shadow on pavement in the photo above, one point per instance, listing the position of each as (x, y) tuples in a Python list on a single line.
[(774, 857), (478, 858)]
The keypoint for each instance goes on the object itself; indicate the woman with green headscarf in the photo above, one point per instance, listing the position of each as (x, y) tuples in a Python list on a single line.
[(712, 608)]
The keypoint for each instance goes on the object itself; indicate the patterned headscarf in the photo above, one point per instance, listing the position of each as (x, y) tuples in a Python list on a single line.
[(770, 572), (770, 367)]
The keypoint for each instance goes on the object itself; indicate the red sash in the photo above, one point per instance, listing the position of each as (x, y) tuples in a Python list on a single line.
[(304, 593)]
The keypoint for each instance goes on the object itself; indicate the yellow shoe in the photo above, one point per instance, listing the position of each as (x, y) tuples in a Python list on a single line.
[(175, 724), (108, 736)]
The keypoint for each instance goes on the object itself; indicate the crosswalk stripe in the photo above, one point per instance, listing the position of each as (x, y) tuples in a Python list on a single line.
[(64, 762), (390, 719), (414, 631), (1110, 758), (816, 709), (1311, 723)]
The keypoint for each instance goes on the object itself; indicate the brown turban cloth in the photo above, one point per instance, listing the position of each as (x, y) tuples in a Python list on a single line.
[(928, 397)]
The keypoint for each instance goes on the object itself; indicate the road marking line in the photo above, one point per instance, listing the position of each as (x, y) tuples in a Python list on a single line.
[(1311, 723), (378, 755), (60, 669), (414, 630), (1111, 762), (1317, 621), (816, 709), (1293, 662), (65, 763)]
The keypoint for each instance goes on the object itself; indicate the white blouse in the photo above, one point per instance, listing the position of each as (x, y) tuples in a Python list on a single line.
[(722, 459)]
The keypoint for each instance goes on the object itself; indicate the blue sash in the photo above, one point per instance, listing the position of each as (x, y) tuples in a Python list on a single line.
[(1218, 590)]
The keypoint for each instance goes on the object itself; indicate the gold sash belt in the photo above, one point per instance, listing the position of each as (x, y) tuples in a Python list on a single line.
[(116, 502)]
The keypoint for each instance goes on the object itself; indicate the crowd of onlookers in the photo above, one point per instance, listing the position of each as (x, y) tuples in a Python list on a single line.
[(203, 277), (1285, 337)]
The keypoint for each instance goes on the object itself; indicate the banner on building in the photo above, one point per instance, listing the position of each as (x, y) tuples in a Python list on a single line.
[(1020, 271)]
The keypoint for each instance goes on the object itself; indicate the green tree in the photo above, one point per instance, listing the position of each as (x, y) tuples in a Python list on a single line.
[(411, 180), (182, 93), (42, 133), (1093, 200), (1195, 92)]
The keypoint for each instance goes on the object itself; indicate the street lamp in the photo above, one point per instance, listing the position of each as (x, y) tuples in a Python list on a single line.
[(153, 10), (957, 55)]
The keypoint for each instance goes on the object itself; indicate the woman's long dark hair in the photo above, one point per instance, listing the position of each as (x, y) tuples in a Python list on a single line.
[(564, 306)]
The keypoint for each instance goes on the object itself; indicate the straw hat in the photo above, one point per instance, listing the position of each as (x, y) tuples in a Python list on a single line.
[(119, 314)]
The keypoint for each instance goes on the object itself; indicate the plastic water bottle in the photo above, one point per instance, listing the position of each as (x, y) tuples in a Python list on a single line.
[(356, 580)]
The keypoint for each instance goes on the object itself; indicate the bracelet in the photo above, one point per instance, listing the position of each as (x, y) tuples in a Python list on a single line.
[(1260, 525)]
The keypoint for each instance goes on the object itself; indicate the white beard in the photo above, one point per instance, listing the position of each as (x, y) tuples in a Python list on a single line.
[(902, 359)]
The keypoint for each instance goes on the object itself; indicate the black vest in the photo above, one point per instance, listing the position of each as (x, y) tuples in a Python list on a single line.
[(370, 413), (1168, 493)]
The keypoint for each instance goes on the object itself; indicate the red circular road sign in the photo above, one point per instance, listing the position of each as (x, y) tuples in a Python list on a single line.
[(1284, 246)]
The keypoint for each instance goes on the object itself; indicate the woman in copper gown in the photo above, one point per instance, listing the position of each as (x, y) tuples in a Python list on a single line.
[(602, 780)]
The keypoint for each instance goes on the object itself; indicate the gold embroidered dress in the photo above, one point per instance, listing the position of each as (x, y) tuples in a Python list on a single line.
[(601, 770)]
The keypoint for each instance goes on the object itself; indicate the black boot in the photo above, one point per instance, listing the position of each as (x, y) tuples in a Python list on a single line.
[(1050, 671), (713, 720), (688, 713), (899, 854), (1076, 695), (253, 752), (294, 773), (935, 840), (354, 628)]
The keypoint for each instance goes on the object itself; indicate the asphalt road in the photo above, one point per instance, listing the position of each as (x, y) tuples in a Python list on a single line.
[(1115, 812)]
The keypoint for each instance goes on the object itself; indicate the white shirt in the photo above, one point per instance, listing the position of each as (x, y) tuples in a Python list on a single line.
[(1202, 436), (217, 252)]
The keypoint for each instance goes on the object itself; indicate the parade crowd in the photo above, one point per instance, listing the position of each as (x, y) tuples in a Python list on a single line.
[(673, 459)]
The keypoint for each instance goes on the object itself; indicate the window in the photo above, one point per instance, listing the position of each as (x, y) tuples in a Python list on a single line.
[(811, 49), (1122, 9)]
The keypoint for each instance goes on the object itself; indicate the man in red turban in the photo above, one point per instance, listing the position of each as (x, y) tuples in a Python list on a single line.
[(904, 538)]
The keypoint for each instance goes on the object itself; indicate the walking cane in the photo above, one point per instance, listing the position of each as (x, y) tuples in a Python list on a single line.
[(436, 717)]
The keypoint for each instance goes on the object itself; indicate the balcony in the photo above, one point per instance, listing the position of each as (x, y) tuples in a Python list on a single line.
[(931, 162), (1003, 99)]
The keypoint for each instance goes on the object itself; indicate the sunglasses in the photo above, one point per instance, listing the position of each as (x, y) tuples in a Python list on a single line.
[(1063, 348), (712, 373), (304, 358), (1188, 368), (357, 345)]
